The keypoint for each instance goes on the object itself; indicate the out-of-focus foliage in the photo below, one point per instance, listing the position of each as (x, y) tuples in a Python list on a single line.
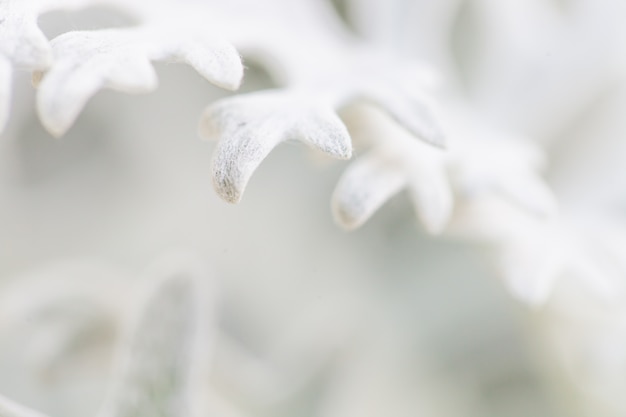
[(502, 121)]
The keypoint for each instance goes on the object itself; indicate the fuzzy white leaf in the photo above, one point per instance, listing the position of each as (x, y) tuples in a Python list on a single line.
[(214, 59), (250, 126), (323, 69), (87, 62), (397, 161), (120, 59), (21, 40), (22, 44), (364, 187)]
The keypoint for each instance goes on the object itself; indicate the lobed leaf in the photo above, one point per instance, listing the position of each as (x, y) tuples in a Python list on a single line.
[(364, 187), (249, 127), (120, 59)]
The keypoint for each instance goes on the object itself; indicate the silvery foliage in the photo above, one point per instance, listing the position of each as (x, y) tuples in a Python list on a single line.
[(514, 86), (319, 72), (162, 359), (471, 162)]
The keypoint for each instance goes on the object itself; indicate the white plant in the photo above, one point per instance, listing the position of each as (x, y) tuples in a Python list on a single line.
[(468, 105)]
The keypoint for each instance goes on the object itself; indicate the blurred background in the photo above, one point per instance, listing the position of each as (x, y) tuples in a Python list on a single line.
[(313, 320)]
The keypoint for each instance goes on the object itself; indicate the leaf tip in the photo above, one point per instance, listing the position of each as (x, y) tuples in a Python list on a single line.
[(226, 188), (345, 218)]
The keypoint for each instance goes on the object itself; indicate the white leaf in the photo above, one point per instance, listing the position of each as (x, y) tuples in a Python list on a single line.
[(21, 40), (250, 126), (85, 63), (397, 161), (120, 59), (217, 61), (364, 187), (22, 44)]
